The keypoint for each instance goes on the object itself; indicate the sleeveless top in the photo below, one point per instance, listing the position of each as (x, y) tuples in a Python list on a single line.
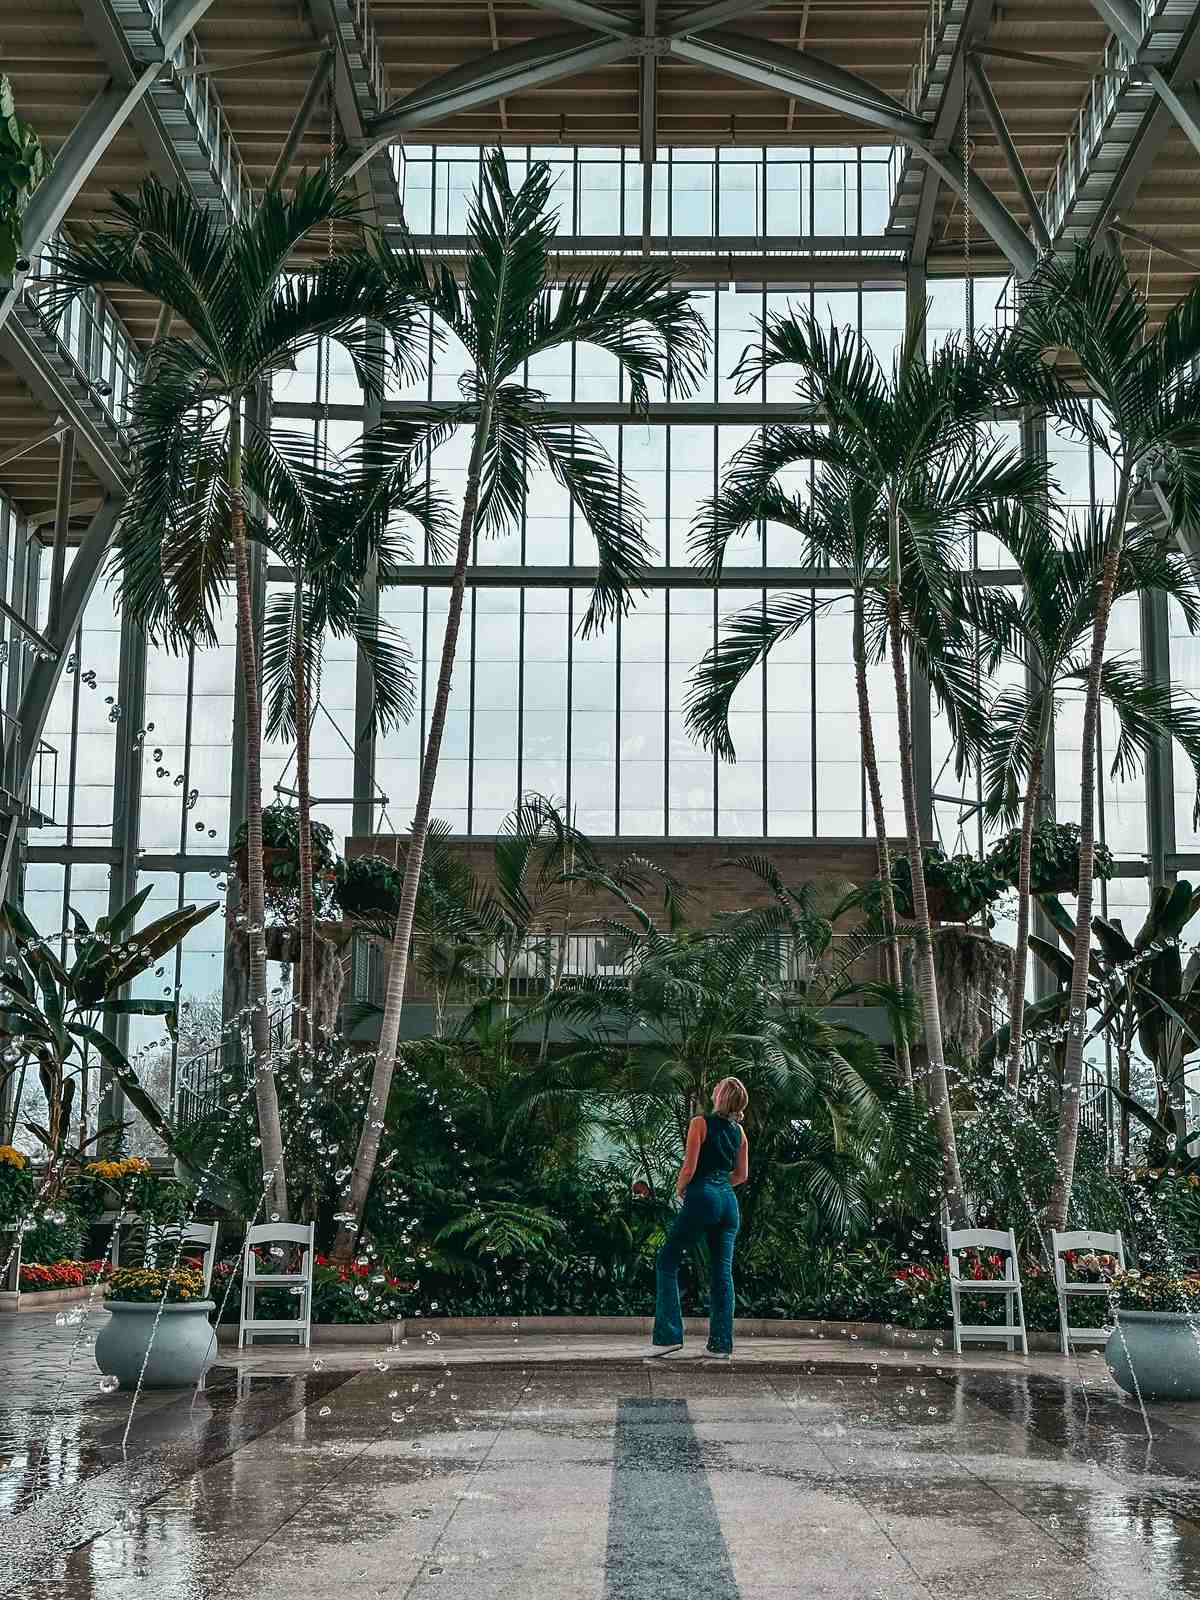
[(722, 1141)]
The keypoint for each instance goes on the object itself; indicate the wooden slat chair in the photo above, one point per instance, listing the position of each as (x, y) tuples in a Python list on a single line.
[(1009, 1285), (268, 1234), (203, 1234), (1086, 1242)]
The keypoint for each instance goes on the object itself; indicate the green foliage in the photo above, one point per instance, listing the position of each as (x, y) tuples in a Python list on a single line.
[(1055, 857), (53, 1014), (16, 1185), (367, 888), (22, 166), (56, 1235), (959, 887)]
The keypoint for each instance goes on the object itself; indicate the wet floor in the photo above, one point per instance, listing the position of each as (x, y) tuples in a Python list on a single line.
[(605, 1481)]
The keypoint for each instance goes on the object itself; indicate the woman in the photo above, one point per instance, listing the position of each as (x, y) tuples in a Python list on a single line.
[(715, 1161)]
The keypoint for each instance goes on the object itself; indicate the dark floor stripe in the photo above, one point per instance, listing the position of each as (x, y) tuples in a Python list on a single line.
[(664, 1535)]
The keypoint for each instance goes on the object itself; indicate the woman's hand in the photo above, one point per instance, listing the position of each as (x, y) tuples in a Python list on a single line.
[(680, 1191)]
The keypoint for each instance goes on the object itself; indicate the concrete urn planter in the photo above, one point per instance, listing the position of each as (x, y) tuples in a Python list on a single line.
[(1158, 1349), (184, 1344)]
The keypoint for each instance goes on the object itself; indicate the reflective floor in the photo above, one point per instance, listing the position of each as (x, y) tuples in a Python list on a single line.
[(606, 1480)]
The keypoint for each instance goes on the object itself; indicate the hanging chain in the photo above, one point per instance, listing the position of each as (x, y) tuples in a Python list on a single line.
[(332, 153)]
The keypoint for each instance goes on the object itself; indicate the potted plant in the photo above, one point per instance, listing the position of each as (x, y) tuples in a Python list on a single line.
[(958, 887), (367, 889), (16, 1203), (1054, 861), (159, 1324), (1154, 1348), (281, 862)]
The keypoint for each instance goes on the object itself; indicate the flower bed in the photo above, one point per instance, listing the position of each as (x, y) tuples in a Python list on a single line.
[(38, 1278), (359, 1293)]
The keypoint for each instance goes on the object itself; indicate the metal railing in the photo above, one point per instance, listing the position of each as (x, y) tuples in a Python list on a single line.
[(42, 785), (212, 127), (91, 335)]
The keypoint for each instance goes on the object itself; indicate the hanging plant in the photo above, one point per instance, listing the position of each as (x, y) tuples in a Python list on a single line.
[(367, 888), (281, 859), (958, 887), (1055, 858), (22, 166)]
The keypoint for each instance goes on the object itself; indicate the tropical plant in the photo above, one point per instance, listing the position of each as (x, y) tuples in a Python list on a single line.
[(1044, 627), (960, 887), (337, 521), (1086, 307), (22, 166), (282, 857), (840, 525), (506, 314), (367, 889), (692, 1007), (915, 441), (1146, 1003), (53, 1015), (245, 311)]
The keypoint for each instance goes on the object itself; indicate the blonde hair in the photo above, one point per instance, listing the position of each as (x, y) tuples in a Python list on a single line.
[(730, 1098)]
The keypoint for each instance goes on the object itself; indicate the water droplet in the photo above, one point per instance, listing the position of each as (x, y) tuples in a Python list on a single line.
[(324, 1411), (108, 1383)]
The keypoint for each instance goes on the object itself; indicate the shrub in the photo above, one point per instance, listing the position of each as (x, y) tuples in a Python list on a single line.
[(56, 1235), (16, 1185)]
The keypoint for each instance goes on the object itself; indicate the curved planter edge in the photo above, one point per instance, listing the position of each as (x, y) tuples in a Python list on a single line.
[(1155, 1355), (183, 1348)]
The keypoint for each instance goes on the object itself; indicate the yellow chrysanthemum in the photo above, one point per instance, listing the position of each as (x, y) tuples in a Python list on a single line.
[(12, 1156)]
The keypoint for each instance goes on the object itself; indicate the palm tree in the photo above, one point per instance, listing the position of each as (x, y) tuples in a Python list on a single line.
[(1046, 627), (243, 311), (1085, 307), (506, 314), (334, 520), (840, 526), (693, 1006), (914, 439)]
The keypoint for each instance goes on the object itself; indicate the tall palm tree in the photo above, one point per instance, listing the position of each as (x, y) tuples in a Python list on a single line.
[(242, 310), (1085, 307), (339, 521), (914, 438), (1046, 627), (506, 313), (840, 525)]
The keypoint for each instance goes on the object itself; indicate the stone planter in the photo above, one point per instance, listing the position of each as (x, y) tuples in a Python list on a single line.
[(183, 1349), (1160, 1349)]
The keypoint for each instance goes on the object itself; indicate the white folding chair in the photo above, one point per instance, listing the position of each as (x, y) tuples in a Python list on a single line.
[(202, 1233), (1009, 1285), (298, 1285), (1089, 1243)]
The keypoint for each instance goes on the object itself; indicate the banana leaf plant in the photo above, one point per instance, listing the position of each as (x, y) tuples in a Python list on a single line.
[(1146, 999), (52, 1014)]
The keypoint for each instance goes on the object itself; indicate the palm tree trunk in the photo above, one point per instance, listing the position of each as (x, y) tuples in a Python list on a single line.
[(270, 1131), (870, 761), (938, 1088), (1016, 993), (305, 995), (389, 1028), (1068, 1127)]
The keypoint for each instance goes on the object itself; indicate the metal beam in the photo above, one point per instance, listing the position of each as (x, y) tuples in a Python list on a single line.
[(62, 523), (1124, 18), (1153, 242), (720, 11), (300, 122), (590, 16), (996, 219), (1182, 101), (484, 81), (647, 114), (805, 76), (1155, 620), (85, 145), (19, 450), (1016, 166), (44, 676), (60, 399)]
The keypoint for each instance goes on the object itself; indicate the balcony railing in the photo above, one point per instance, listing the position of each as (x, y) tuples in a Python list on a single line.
[(91, 335)]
